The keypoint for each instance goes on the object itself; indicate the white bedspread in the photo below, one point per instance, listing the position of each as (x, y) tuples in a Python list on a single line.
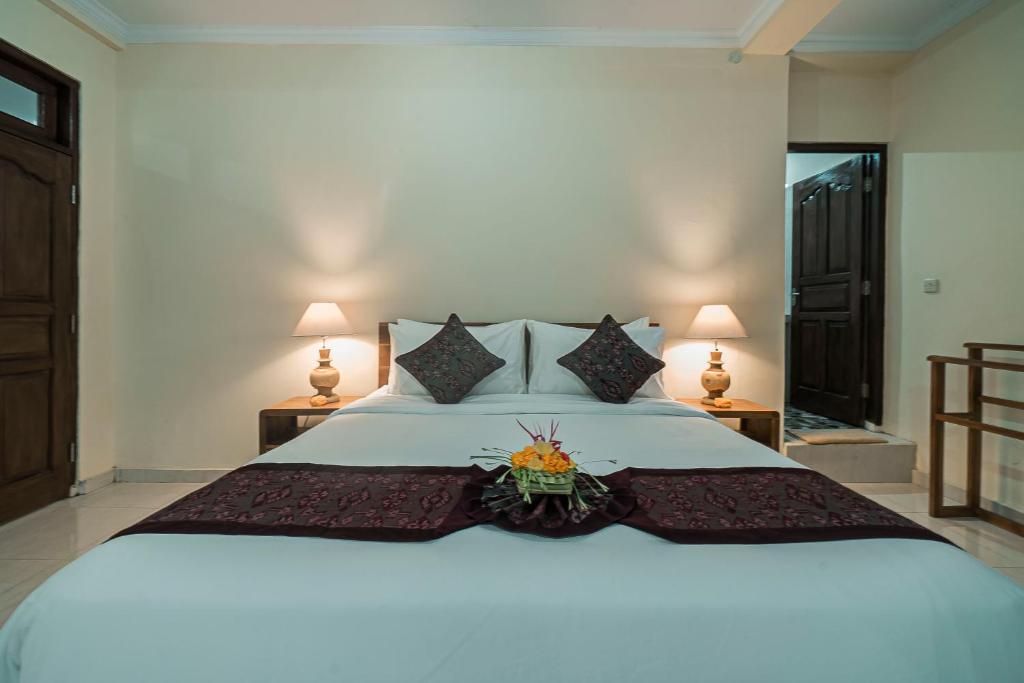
[(487, 605)]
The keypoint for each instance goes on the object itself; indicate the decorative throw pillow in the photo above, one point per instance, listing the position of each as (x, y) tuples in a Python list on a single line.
[(450, 363), (550, 342), (611, 364), (505, 340)]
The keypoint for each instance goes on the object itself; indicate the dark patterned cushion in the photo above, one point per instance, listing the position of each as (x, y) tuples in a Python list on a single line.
[(450, 363), (611, 363)]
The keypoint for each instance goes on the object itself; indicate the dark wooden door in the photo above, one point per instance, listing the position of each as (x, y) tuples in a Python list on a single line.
[(827, 365), (37, 301)]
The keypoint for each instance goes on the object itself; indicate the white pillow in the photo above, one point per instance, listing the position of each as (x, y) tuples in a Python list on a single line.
[(550, 342), (504, 340)]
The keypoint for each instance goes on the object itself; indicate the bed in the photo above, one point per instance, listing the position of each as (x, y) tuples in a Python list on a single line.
[(487, 604)]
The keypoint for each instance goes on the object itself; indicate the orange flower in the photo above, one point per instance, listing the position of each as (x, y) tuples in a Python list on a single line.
[(554, 463), (522, 458)]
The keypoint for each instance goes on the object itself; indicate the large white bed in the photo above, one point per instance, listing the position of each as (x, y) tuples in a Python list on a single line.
[(485, 604)]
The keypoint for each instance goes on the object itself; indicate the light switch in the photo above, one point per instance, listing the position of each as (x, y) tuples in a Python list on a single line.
[(931, 285)]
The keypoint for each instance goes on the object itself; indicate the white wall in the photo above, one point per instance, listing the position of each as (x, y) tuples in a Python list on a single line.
[(557, 183), (47, 36), (957, 162), (840, 98)]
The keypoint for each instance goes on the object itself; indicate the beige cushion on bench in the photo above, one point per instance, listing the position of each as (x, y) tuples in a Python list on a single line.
[(820, 437)]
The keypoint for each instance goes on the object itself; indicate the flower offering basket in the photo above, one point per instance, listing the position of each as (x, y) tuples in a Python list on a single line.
[(530, 482), (543, 468)]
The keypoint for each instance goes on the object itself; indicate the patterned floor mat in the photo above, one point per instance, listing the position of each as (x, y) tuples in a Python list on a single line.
[(801, 419)]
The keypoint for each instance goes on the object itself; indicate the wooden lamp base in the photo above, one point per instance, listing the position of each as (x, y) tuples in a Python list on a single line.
[(715, 380), (324, 378)]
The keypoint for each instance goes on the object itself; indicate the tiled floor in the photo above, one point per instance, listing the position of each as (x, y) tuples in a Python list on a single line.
[(990, 544), (34, 547)]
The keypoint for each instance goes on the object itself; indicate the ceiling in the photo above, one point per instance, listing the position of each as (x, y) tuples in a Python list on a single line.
[(713, 15), (854, 25)]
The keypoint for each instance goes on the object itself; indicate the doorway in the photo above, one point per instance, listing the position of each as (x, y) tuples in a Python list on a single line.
[(38, 282), (835, 227)]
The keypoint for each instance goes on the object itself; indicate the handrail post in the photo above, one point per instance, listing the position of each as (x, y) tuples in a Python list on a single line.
[(937, 431), (976, 428), (974, 436)]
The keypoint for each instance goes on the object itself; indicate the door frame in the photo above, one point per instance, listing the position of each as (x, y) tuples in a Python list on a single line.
[(873, 268), (61, 134)]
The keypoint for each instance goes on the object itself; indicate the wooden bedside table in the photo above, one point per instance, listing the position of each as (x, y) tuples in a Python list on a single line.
[(280, 422), (756, 421)]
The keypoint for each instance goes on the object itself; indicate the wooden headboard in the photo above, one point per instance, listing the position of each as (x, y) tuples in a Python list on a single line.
[(384, 344)]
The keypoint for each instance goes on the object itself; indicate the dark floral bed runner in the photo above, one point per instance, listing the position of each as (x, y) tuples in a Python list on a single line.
[(729, 505)]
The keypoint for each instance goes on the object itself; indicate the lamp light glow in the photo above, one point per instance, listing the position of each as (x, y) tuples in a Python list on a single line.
[(716, 321), (323, 320)]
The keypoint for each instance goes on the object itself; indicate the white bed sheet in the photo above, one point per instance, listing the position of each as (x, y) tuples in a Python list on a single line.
[(488, 605)]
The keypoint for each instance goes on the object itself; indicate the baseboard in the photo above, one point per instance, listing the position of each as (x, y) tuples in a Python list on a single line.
[(921, 479), (147, 475), (94, 483)]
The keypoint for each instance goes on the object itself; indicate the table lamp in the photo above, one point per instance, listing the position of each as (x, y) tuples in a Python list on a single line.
[(323, 320), (715, 321)]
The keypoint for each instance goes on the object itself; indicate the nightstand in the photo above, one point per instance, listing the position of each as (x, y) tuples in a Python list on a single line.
[(756, 421), (280, 422)]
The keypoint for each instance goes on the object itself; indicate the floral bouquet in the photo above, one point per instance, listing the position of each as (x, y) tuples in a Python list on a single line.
[(544, 468)]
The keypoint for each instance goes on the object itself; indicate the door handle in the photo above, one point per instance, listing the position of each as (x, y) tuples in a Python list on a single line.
[(793, 296)]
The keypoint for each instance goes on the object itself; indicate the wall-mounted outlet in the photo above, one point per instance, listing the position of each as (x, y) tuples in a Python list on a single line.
[(931, 285)]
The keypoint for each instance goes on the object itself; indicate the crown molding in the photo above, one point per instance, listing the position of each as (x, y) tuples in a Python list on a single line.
[(765, 11), (453, 35), (93, 17), (428, 35), (97, 19), (442, 35)]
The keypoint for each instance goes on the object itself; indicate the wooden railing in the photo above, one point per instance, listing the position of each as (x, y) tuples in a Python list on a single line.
[(976, 426)]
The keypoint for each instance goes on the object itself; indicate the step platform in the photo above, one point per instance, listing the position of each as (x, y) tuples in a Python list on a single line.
[(890, 461)]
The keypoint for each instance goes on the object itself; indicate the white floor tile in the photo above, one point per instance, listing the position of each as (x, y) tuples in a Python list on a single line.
[(898, 497), (884, 489), (37, 545), (61, 532), (1015, 573), (1010, 546), (12, 596), (976, 537), (152, 496), (13, 572), (907, 502)]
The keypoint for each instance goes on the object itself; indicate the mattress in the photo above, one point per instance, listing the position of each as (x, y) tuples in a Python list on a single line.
[(487, 604)]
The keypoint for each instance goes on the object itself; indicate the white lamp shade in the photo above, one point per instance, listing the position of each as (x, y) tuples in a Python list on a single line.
[(716, 321), (322, 320)]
